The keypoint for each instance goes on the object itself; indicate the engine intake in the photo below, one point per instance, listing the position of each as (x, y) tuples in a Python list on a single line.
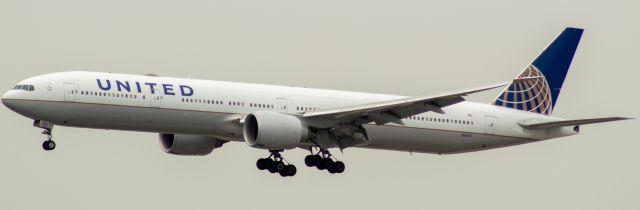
[(180, 144), (272, 130)]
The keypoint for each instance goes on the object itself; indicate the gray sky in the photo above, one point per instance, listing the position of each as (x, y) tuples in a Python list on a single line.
[(398, 47)]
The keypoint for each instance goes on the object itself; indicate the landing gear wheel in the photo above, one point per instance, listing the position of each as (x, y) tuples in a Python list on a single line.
[(308, 161), (321, 164), (288, 170), (268, 163), (273, 166), (279, 166), (262, 163), (48, 145), (324, 160), (325, 163), (275, 163), (331, 166), (339, 166), (312, 160)]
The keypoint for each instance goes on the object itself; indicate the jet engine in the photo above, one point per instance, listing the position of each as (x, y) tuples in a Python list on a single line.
[(272, 130), (180, 144)]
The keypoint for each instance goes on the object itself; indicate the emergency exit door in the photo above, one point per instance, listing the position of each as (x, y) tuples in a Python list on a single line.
[(489, 124), (70, 91), (282, 105)]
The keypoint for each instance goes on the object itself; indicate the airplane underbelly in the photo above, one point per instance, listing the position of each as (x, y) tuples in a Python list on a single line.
[(435, 141), (137, 119)]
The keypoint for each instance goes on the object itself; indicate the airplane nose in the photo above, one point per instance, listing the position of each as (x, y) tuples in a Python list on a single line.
[(6, 99)]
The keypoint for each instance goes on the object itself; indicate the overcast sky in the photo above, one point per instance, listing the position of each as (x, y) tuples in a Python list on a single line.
[(396, 47)]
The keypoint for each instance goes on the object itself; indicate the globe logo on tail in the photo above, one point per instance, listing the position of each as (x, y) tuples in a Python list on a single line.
[(529, 92)]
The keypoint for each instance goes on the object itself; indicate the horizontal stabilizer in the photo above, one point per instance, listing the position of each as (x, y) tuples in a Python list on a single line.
[(562, 123)]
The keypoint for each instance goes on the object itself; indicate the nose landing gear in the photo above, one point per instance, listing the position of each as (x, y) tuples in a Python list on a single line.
[(275, 163), (48, 144)]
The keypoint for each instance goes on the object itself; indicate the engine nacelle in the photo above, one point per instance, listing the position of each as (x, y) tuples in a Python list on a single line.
[(180, 144), (272, 130)]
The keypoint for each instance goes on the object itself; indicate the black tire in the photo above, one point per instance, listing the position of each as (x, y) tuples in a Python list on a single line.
[(271, 165), (316, 159), (339, 166), (289, 170), (261, 164), (276, 167), (328, 163), (279, 166), (283, 173), (332, 169), (321, 165), (309, 161), (48, 145), (45, 145)]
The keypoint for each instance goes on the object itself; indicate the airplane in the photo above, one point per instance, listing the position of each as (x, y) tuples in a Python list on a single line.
[(194, 117)]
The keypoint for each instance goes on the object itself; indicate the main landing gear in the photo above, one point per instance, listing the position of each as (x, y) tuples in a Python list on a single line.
[(275, 163), (323, 160)]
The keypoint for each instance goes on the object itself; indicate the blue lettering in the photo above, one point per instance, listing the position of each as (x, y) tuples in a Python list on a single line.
[(124, 85), (138, 86), (183, 90), (168, 89), (151, 86), (108, 87)]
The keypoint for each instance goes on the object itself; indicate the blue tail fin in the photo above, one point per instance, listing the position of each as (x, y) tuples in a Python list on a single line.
[(537, 88)]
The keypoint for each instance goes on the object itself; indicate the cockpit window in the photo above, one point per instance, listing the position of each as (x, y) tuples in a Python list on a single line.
[(24, 87)]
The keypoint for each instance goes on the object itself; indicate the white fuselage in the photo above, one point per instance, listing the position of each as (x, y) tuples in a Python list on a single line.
[(214, 108)]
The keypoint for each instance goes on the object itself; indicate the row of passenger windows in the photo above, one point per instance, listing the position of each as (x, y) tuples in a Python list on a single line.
[(230, 103), (440, 120), (235, 103), (24, 87), (299, 108), (113, 95), (264, 106), (201, 101)]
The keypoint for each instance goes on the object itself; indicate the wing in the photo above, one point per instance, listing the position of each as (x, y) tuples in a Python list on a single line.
[(562, 123), (394, 110)]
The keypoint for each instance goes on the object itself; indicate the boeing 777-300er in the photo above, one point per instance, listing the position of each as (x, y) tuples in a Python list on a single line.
[(193, 117)]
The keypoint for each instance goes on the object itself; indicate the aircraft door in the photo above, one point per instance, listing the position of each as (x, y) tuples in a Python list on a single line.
[(70, 91), (282, 105), (155, 98), (489, 124)]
